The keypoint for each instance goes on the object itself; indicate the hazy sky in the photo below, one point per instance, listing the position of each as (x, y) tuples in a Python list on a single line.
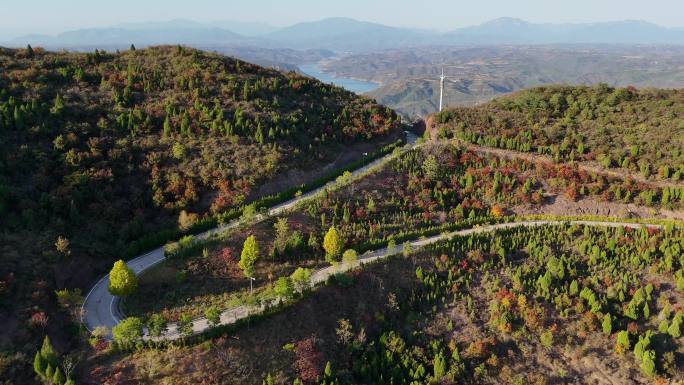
[(51, 16)]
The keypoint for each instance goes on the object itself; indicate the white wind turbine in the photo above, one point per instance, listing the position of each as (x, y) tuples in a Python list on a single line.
[(441, 90)]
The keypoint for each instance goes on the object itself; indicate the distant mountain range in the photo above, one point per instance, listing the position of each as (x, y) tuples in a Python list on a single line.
[(239, 27), (516, 31), (343, 34), (349, 35)]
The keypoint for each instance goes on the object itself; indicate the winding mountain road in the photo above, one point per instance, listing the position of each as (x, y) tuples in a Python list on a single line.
[(100, 308), (105, 305)]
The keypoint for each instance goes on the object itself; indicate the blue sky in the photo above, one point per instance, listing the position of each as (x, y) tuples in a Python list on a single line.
[(51, 16)]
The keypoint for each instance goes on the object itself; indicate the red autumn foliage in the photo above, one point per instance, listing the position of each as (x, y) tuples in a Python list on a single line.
[(309, 361), (632, 328), (39, 320), (571, 192)]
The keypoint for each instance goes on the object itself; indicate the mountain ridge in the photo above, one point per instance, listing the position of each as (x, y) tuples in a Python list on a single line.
[(346, 34)]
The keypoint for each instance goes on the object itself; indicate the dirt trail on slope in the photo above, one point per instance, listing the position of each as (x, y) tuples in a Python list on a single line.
[(560, 205), (589, 167)]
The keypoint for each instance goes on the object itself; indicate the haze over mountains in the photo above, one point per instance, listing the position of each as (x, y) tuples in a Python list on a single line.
[(343, 35), (410, 77), (482, 61)]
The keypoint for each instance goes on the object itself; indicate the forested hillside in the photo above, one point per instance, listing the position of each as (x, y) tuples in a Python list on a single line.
[(103, 155), (641, 131), (563, 303)]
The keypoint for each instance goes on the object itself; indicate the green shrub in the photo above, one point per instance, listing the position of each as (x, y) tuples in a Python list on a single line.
[(127, 331)]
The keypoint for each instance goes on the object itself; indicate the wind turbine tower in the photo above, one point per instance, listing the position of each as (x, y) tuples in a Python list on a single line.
[(441, 90)]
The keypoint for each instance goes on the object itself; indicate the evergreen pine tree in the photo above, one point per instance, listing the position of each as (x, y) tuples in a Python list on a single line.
[(327, 372), (18, 118), (313, 242), (185, 125), (57, 106), (607, 324)]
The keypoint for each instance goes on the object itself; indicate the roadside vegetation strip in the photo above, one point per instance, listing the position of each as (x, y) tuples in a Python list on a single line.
[(233, 315), (246, 215), (162, 237), (193, 243), (659, 222)]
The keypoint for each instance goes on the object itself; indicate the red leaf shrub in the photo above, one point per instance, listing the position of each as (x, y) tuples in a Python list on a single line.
[(309, 361)]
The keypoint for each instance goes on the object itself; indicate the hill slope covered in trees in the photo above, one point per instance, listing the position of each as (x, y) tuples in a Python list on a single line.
[(99, 150), (638, 131)]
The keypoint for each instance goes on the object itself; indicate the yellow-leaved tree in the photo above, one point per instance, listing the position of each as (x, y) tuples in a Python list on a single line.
[(122, 280), (333, 244), (250, 253)]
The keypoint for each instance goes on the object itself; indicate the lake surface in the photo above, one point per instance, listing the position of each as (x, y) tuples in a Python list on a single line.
[(353, 85)]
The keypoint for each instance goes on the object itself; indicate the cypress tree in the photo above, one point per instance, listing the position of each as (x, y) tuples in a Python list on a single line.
[(259, 135), (49, 371), (39, 364), (167, 127), (48, 352), (58, 377)]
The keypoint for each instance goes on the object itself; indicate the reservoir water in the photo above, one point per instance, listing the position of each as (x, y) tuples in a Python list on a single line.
[(353, 85)]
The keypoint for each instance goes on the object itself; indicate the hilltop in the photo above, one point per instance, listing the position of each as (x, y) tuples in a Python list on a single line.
[(107, 154)]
